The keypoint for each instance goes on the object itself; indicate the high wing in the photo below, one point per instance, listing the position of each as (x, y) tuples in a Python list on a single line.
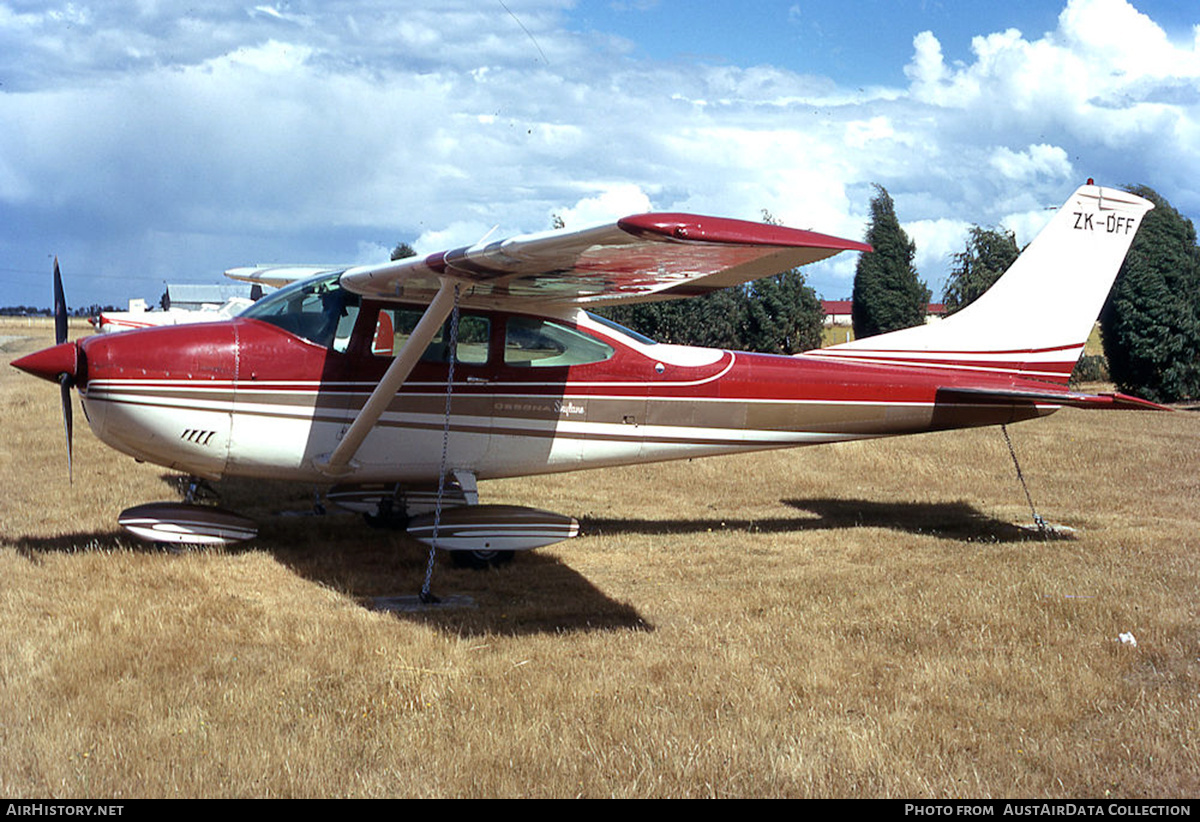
[(639, 258)]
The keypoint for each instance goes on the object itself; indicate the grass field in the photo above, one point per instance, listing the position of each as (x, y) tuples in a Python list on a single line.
[(857, 620)]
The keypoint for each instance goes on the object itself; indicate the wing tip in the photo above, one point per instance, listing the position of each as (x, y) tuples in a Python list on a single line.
[(698, 228)]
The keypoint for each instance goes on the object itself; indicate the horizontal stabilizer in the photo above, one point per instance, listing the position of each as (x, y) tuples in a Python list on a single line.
[(1074, 399)]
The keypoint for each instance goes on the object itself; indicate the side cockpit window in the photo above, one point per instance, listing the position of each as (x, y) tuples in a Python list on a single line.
[(318, 310), (536, 343)]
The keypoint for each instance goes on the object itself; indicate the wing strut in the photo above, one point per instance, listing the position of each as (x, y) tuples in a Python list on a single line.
[(338, 462)]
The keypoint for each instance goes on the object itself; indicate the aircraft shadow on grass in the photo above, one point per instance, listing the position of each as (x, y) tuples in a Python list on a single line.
[(538, 594), (947, 520), (33, 548)]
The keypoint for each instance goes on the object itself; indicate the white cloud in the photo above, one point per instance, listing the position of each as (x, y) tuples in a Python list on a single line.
[(1036, 161), (455, 235), (614, 202), (271, 57), (303, 131), (937, 242), (1027, 224), (1115, 34), (928, 68), (861, 132)]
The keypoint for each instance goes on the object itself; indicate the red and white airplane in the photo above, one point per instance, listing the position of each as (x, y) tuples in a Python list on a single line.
[(342, 378), (112, 322)]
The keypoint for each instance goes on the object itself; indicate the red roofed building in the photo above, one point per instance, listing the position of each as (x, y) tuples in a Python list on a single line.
[(837, 312)]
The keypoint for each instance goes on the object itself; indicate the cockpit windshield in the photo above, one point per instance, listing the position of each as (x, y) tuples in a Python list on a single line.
[(317, 309)]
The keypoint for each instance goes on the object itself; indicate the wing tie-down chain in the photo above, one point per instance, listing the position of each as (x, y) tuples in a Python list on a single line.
[(426, 595), (1037, 518)]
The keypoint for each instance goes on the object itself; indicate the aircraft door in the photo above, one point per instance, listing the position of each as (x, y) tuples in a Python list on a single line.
[(407, 441)]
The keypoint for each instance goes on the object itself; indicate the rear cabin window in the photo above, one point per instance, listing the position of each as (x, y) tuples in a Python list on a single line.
[(395, 325), (534, 343)]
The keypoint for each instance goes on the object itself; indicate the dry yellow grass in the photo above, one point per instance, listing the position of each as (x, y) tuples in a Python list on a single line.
[(860, 620)]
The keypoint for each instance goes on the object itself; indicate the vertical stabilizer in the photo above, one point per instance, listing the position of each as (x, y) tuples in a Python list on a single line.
[(1035, 320)]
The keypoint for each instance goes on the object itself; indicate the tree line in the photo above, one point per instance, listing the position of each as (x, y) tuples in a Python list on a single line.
[(33, 311)]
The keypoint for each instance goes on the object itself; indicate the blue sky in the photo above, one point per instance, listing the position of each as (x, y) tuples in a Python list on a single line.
[(145, 141), (856, 43), (861, 43)]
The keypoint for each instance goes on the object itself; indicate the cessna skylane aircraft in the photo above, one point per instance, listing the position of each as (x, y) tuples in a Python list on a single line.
[(404, 384)]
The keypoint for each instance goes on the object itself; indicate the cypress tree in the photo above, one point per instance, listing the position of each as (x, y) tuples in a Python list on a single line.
[(1150, 325), (888, 295), (715, 319)]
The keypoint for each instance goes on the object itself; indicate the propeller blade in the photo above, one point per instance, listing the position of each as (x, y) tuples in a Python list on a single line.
[(60, 307), (65, 382)]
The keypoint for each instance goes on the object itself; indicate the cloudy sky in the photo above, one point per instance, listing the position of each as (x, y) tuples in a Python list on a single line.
[(145, 141)]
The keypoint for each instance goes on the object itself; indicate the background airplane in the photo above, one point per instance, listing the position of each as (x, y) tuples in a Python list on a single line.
[(110, 322)]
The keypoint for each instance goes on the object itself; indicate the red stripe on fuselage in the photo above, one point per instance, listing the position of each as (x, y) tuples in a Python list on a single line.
[(253, 356)]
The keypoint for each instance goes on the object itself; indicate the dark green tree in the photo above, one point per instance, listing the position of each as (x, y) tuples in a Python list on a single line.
[(402, 251), (715, 320), (988, 254), (887, 295), (1150, 326), (783, 315)]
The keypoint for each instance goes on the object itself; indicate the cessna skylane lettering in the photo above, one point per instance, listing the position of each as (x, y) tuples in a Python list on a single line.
[(343, 376)]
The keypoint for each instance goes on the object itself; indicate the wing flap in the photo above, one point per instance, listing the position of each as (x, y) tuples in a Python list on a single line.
[(639, 258)]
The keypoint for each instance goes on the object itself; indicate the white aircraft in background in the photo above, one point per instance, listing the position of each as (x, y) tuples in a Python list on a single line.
[(138, 316)]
